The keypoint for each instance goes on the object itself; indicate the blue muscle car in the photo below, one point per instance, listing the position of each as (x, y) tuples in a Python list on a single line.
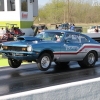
[(59, 46)]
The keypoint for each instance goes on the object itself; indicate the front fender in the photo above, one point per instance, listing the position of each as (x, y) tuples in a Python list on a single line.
[(46, 49)]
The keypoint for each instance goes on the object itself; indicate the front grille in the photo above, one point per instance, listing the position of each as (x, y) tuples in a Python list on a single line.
[(13, 48)]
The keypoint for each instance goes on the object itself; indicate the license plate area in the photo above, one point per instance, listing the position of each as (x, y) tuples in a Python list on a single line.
[(19, 54)]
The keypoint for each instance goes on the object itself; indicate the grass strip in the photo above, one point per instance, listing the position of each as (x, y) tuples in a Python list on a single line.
[(4, 62)]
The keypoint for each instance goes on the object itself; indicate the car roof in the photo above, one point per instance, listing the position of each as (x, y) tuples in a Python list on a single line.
[(60, 31), (55, 31), (11, 24), (3, 26), (65, 31)]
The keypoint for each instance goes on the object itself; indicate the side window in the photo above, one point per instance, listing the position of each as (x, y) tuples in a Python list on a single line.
[(68, 37), (1, 5), (83, 39), (72, 38), (24, 5), (75, 38), (10, 5)]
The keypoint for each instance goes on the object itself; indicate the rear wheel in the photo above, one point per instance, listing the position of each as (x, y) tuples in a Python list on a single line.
[(89, 60), (44, 62), (14, 63)]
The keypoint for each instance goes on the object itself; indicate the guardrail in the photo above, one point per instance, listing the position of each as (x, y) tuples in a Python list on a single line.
[(81, 90)]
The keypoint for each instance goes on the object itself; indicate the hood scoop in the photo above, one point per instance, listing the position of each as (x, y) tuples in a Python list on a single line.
[(28, 38)]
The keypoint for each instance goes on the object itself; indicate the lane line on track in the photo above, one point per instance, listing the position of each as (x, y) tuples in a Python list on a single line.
[(48, 89)]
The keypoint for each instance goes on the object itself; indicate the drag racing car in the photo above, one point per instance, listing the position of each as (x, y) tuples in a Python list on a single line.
[(60, 46)]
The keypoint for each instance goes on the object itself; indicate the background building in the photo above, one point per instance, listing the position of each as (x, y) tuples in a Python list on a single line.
[(20, 12)]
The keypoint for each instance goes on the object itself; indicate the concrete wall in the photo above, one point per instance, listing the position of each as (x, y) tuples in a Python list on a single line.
[(28, 31), (82, 90)]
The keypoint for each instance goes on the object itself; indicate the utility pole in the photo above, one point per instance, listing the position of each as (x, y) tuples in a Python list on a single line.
[(64, 12), (66, 1), (68, 11), (57, 11)]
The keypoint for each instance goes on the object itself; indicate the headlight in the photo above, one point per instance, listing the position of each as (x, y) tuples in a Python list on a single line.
[(29, 48)]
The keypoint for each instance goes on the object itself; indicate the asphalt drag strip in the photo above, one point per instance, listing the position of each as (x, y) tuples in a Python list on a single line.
[(29, 77)]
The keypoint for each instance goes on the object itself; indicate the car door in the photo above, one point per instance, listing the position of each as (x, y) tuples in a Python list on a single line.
[(70, 48)]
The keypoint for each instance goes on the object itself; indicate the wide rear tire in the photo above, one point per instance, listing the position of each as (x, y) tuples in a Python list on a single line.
[(89, 60), (14, 63)]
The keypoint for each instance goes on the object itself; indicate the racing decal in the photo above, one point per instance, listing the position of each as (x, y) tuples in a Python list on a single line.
[(75, 53), (71, 47)]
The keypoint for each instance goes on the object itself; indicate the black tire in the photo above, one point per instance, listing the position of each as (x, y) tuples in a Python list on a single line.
[(62, 63), (86, 63), (44, 67), (14, 63)]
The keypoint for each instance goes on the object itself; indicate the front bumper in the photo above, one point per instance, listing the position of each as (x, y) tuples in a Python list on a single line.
[(29, 56)]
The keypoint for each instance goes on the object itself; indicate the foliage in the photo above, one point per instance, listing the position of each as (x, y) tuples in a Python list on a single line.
[(80, 11)]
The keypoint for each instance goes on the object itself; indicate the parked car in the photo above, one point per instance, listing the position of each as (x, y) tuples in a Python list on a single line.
[(67, 26), (60, 46), (92, 29)]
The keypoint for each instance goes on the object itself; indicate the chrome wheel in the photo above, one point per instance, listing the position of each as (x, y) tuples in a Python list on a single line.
[(45, 62), (91, 58)]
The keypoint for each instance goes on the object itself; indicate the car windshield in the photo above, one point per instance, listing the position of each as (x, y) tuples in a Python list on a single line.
[(93, 27), (64, 25), (50, 36)]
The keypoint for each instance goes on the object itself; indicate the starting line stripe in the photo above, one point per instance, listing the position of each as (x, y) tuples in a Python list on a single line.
[(51, 88)]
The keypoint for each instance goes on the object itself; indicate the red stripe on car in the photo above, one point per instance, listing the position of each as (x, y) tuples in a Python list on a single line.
[(78, 51)]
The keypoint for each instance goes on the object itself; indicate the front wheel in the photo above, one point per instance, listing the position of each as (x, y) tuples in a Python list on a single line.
[(14, 63), (89, 60), (44, 62)]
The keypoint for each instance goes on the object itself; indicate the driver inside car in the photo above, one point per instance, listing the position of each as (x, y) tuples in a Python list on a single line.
[(58, 38)]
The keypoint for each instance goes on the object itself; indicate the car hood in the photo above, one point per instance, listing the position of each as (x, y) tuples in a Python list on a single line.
[(24, 41)]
